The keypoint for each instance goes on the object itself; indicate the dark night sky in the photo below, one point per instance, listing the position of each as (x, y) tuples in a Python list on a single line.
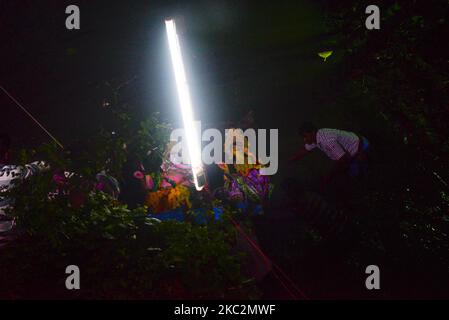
[(239, 56)]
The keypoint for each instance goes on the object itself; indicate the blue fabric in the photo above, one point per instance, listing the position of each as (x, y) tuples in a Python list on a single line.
[(365, 144), (218, 213), (242, 205), (178, 215), (356, 166), (199, 216)]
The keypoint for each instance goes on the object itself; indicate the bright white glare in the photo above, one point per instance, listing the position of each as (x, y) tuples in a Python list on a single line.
[(185, 103)]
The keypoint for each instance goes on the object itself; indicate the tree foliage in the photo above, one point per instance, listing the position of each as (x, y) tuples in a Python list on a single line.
[(121, 252)]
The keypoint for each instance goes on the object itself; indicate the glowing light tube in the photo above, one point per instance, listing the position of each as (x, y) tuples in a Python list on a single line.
[(185, 104)]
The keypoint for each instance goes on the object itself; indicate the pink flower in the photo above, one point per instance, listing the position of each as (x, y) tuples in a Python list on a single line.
[(149, 182), (138, 175), (59, 179)]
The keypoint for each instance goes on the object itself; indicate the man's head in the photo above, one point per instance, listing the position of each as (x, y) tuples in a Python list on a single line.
[(5, 145), (308, 131)]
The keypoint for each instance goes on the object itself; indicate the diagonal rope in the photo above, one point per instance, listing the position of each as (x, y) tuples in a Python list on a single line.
[(268, 260), (31, 116)]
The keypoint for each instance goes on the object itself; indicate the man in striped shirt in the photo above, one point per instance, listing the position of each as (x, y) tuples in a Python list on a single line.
[(346, 148)]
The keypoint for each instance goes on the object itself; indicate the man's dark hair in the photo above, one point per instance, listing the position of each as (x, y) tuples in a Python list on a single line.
[(5, 144), (306, 127)]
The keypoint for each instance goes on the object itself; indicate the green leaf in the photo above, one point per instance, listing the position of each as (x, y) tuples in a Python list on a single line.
[(325, 54)]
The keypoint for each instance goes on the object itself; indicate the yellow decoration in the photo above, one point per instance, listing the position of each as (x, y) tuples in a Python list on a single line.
[(168, 199), (246, 155), (242, 169)]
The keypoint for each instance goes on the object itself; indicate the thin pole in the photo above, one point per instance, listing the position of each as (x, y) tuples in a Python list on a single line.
[(31, 116)]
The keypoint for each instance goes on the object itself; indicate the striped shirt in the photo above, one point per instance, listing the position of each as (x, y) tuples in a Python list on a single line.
[(335, 143)]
